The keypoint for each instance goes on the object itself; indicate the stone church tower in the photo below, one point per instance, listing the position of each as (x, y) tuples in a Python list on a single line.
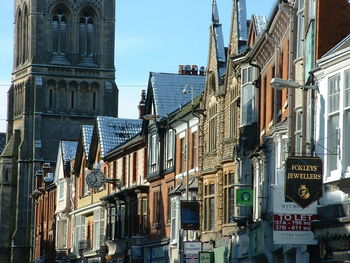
[(63, 76)]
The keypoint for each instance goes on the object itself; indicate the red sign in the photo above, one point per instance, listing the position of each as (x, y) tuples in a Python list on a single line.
[(290, 222)]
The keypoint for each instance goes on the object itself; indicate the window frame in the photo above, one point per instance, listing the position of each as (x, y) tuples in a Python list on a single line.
[(212, 122), (209, 211), (229, 208)]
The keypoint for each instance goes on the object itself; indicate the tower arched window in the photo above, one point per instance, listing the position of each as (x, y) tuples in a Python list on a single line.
[(87, 34), (18, 37), (59, 31), (22, 36)]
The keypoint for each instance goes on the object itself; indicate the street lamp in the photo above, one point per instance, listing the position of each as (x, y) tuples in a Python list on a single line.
[(281, 84)]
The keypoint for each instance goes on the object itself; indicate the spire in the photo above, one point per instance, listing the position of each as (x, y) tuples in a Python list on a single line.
[(215, 13)]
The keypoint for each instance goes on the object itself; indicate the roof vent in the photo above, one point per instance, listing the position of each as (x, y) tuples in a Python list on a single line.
[(48, 178)]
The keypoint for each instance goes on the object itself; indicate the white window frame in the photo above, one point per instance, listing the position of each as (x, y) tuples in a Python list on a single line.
[(334, 114), (174, 221), (61, 234), (79, 232), (300, 29), (298, 132), (169, 148), (99, 228), (248, 113), (153, 153), (61, 190)]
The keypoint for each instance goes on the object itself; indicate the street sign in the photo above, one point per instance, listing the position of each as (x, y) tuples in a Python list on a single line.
[(244, 197), (303, 180)]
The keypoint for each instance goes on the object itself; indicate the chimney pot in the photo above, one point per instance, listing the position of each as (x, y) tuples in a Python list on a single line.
[(188, 70), (181, 69), (202, 71), (142, 104), (194, 70)]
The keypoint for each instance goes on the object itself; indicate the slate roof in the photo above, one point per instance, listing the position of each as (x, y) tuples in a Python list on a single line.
[(115, 131), (260, 23), (242, 20), (219, 40), (168, 90), (87, 135), (69, 148)]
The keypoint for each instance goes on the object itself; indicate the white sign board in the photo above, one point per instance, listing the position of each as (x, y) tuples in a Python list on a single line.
[(292, 229), (291, 223), (191, 251)]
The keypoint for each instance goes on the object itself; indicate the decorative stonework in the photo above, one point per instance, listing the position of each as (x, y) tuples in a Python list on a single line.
[(75, 5)]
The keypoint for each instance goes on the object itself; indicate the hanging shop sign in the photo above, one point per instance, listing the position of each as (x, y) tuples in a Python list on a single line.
[(190, 215), (303, 180), (292, 229), (244, 197)]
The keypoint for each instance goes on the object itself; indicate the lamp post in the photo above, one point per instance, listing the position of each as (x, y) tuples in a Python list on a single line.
[(281, 84)]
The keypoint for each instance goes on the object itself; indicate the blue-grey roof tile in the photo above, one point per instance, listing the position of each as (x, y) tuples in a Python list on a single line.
[(260, 23), (168, 90), (69, 149), (116, 131), (87, 135)]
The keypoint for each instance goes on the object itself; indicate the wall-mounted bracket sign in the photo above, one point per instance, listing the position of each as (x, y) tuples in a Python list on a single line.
[(304, 178)]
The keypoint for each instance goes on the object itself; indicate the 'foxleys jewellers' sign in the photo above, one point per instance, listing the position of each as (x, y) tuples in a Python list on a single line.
[(303, 180)]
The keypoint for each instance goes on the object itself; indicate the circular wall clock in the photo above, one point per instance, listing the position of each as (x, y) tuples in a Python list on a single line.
[(95, 179)]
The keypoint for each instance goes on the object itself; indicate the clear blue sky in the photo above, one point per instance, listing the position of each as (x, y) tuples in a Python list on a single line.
[(154, 35)]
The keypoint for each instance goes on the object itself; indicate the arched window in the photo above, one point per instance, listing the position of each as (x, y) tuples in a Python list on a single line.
[(18, 37), (84, 96), (59, 31), (25, 35), (94, 96), (72, 95), (62, 96), (51, 86), (87, 36)]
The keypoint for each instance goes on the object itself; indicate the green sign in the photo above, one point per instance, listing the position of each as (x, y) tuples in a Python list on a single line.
[(206, 257), (244, 197)]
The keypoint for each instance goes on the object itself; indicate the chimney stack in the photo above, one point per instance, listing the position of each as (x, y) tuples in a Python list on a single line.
[(202, 71), (188, 70), (194, 70), (142, 104), (181, 69)]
